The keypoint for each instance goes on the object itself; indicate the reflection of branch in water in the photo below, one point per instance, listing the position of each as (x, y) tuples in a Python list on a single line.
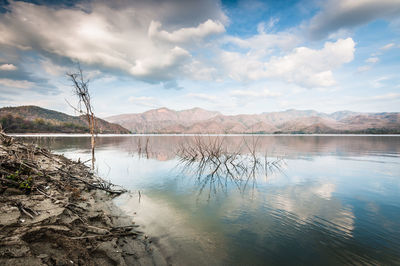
[(214, 165), (47, 142), (146, 148), (141, 147)]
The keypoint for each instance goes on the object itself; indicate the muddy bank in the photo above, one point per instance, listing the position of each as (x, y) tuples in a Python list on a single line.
[(54, 211)]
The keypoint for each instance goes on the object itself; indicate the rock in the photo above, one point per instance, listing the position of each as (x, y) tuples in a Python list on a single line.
[(9, 215)]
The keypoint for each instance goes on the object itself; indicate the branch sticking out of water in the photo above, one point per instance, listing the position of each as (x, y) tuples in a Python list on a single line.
[(214, 163), (142, 147)]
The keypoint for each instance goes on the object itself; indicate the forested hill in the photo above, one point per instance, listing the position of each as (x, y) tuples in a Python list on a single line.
[(34, 119)]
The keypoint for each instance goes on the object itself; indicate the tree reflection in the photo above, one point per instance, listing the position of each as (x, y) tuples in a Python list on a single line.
[(140, 146), (216, 165)]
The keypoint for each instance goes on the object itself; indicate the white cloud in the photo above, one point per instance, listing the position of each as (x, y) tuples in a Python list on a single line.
[(53, 69), (8, 67), (303, 66), (185, 35), (118, 36), (372, 60), (387, 46), (384, 99), (344, 14), (379, 82), (255, 94), (364, 68), (18, 84), (202, 96), (262, 27), (141, 98), (198, 70), (144, 101), (387, 96), (263, 43), (155, 66)]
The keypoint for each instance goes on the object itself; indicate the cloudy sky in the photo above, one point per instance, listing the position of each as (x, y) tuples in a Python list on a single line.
[(231, 56)]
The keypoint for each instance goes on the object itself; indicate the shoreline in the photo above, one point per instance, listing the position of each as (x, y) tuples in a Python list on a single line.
[(22, 135), (55, 211)]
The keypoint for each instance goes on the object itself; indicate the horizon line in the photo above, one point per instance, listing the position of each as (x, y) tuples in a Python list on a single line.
[(196, 107)]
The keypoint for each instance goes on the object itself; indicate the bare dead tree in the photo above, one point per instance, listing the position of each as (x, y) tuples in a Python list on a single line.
[(84, 107)]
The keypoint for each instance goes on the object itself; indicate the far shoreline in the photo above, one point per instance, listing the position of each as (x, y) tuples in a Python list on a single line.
[(194, 135)]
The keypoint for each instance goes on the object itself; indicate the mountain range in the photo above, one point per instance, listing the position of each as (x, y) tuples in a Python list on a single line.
[(198, 121), (34, 119)]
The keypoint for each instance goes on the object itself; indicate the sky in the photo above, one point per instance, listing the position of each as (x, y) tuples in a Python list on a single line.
[(231, 56)]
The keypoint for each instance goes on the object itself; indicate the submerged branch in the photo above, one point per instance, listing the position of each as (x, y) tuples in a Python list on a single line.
[(212, 162)]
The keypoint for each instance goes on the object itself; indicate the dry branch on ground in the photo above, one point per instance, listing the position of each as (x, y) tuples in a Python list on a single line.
[(55, 211)]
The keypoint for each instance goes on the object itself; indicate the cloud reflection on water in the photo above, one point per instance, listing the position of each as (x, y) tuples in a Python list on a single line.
[(345, 210)]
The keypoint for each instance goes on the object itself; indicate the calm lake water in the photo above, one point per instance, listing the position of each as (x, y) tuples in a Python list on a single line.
[(313, 200)]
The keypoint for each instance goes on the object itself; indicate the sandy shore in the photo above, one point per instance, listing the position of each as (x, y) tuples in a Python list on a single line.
[(55, 211)]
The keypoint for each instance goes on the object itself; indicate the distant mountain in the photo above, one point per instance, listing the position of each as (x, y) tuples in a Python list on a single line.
[(155, 121), (342, 114), (34, 119), (198, 120)]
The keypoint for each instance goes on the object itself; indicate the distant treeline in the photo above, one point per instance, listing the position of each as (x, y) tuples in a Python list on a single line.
[(374, 131), (16, 124), (364, 131), (370, 131)]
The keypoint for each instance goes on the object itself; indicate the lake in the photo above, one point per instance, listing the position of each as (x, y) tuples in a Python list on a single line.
[(261, 200)]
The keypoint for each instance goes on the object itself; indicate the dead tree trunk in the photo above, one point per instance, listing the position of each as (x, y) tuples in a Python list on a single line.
[(81, 89)]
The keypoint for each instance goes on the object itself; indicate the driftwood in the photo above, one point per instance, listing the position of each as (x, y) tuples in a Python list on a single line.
[(105, 184), (26, 210), (46, 197), (16, 159)]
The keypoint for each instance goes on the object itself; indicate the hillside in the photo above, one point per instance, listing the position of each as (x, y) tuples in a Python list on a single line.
[(34, 119), (198, 120), (157, 120)]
